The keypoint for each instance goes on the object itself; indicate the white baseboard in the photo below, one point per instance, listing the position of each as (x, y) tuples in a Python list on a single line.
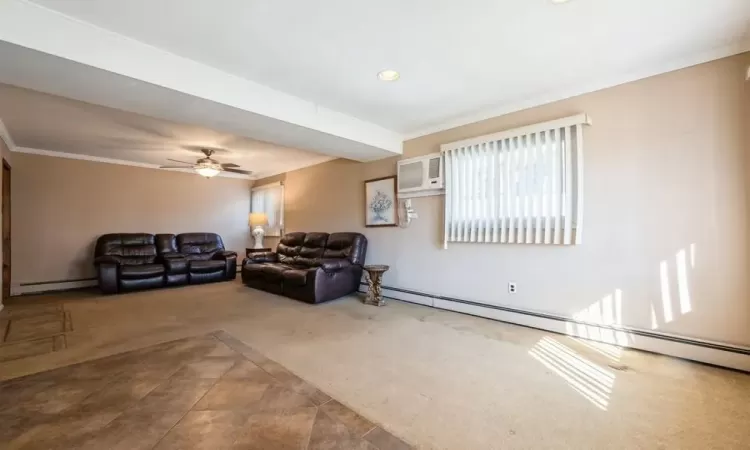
[(49, 287), (715, 353)]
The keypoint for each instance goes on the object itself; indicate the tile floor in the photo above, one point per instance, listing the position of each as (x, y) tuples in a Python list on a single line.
[(31, 330), (209, 392)]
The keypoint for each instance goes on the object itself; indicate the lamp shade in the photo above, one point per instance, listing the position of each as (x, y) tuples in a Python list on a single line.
[(257, 219)]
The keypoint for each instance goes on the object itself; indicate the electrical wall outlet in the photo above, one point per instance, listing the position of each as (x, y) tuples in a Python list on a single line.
[(512, 289)]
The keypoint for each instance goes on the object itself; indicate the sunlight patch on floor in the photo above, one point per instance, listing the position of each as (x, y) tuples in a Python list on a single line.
[(609, 351), (591, 381)]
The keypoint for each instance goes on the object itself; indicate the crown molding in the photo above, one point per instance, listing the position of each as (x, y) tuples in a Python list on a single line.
[(694, 59), (121, 162), (6, 137)]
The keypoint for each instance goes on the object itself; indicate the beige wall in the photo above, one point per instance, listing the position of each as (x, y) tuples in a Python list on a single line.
[(60, 206), (665, 172)]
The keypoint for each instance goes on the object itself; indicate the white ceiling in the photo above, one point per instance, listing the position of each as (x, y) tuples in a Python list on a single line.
[(458, 59), (302, 74), (52, 123)]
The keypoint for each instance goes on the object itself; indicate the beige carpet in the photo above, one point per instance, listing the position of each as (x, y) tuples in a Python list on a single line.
[(436, 379)]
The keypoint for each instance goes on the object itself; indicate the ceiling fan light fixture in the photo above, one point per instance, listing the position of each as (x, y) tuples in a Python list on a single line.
[(207, 170), (388, 75)]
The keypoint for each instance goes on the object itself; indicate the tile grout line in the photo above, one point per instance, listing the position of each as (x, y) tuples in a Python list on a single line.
[(217, 336), (363, 437), (312, 426), (188, 410)]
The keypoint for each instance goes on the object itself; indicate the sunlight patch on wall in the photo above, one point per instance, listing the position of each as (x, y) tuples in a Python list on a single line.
[(666, 297), (654, 322), (682, 283), (591, 381), (607, 311)]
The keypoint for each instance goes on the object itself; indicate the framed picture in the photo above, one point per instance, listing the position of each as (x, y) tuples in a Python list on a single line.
[(380, 202)]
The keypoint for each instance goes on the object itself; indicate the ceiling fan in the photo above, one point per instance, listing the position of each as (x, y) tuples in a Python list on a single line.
[(207, 166)]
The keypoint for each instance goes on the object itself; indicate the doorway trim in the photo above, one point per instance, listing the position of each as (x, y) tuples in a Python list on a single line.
[(6, 209)]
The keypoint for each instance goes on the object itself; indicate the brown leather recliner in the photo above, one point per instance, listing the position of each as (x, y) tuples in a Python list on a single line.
[(200, 257), (127, 261), (130, 261), (312, 267)]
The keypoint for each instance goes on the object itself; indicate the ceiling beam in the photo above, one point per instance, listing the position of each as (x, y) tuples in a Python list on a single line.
[(278, 117)]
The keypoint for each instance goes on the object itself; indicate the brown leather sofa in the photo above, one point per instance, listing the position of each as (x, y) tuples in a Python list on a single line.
[(312, 267), (130, 261)]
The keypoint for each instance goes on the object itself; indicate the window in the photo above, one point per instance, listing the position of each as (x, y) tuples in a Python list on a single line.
[(269, 199), (522, 186)]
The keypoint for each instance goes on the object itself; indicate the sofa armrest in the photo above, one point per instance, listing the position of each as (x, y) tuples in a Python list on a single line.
[(230, 262), (224, 254), (265, 257), (107, 259), (334, 265), (108, 273)]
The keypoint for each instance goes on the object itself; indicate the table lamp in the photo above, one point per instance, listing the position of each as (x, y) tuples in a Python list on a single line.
[(257, 222)]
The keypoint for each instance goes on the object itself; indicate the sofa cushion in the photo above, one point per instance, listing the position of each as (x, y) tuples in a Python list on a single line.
[(199, 245), (274, 272), (165, 243), (296, 277), (141, 271), (211, 265), (127, 284), (131, 248), (312, 249), (253, 270), (289, 247), (206, 277)]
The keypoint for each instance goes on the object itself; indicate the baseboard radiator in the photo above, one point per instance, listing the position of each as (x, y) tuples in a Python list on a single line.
[(39, 287), (699, 350)]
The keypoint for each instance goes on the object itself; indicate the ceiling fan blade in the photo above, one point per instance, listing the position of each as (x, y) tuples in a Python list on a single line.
[(229, 165), (182, 162), (175, 167), (243, 172)]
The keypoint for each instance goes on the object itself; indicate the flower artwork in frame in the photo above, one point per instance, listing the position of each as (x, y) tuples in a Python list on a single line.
[(380, 202)]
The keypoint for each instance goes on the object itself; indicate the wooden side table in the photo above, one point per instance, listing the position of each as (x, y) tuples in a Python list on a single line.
[(248, 251), (374, 283)]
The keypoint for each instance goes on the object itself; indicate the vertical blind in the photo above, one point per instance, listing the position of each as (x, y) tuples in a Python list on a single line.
[(269, 199), (521, 186)]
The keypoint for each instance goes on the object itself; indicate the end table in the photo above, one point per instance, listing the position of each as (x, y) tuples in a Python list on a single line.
[(374, 283)]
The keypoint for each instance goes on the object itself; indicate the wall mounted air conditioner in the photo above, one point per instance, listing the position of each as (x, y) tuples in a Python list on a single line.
[(421, 176)]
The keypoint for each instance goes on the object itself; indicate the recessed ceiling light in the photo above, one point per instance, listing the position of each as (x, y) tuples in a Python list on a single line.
[(557, 2), (388, 75)]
